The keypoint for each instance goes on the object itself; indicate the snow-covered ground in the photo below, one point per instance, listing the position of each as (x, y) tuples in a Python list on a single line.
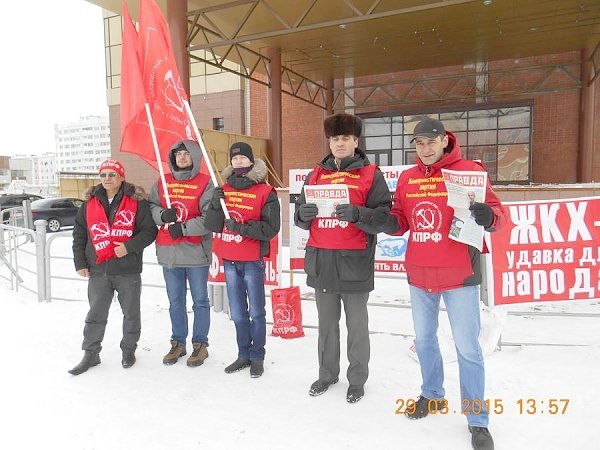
[(152, 406)]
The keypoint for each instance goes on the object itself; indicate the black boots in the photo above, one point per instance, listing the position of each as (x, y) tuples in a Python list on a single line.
[(355, 393), (237, 365), (128, 360), (319, 387), (257, 368), (90, 359), (481, 439)]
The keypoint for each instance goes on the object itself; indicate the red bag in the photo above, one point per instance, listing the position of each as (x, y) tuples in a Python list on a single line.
[(287, 312)]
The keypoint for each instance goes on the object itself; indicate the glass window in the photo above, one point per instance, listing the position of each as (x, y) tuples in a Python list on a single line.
[(397, 125), (378, 142), (498, 137), (513, 117), (483, 119), (482, 137), (513, 136), (377, 126), (397, 157)]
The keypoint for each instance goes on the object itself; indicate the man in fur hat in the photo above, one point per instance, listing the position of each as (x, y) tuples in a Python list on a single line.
[(254, 220), (112, 228), (340, 253)]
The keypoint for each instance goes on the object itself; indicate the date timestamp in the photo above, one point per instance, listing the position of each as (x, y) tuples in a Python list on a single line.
[(524, 406)]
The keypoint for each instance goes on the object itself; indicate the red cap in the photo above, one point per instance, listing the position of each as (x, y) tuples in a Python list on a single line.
[(114, 165)]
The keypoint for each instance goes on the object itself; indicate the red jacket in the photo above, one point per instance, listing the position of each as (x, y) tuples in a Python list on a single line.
[(435, 262)]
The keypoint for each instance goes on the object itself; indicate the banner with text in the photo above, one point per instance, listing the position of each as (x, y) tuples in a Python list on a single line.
[(389, 255), (548, 251)]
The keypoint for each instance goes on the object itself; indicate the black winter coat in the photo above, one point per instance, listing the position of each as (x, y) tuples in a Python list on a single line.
[(144, 233), (269, 224), (347, 270)]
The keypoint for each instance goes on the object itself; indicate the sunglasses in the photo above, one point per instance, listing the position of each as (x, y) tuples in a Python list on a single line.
[(108, 174)]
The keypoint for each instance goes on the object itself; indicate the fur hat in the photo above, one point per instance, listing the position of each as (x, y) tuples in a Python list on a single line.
[(342, 124), (241, 148)]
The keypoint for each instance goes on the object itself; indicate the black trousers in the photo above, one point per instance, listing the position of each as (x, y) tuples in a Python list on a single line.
[(101, 289), (358, 343)]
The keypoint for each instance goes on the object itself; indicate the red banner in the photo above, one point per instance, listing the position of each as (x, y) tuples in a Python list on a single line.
[(548, 251), (162, 88), (133, 97)]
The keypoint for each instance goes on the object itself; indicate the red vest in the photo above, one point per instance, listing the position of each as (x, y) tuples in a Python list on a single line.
[(243, 206), (104, 235), (185, 197), (329, 232)]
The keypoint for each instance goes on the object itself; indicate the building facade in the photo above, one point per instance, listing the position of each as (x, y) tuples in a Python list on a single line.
[(83, 144)]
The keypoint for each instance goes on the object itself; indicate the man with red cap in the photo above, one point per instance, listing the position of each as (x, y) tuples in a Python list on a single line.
[(112, 228)]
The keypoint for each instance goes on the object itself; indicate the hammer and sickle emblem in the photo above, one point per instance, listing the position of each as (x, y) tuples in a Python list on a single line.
[(124, 218), (100, 231)]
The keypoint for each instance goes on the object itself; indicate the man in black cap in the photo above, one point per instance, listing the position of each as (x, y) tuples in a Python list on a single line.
[(254, 220), (438, 266), (340, 253)]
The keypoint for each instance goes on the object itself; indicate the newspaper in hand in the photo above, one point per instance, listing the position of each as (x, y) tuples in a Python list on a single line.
[(465, 188), (327, 197)]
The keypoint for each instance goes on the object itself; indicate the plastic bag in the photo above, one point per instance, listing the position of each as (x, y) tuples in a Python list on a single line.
[(287, 312)]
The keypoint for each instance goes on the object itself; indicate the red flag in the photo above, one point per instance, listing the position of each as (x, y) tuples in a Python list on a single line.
[(134, 124), (162, 83)]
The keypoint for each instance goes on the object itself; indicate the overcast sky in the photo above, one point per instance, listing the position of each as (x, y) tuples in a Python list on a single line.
[(52, 70)]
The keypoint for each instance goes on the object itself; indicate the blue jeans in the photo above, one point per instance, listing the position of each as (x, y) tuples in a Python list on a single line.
[(245, 282), (176, 280), (462, 305)]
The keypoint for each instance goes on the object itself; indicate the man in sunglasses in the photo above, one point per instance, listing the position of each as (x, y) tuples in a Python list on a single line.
[(112, 228), (184, 248)]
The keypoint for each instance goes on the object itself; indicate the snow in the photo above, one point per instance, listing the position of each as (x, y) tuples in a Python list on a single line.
[(153, 406)]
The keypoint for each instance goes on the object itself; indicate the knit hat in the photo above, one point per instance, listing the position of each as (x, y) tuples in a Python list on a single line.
[(342, 124), (241, 148), (114, 165)]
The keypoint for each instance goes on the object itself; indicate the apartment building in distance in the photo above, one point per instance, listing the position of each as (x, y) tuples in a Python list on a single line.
[(82, 145)]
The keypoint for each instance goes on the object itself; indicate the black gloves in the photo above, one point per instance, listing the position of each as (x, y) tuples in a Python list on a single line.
[(307, 212), (233, 226), (169, 215), (215, 202), (347, 212), (175, 230), (482, 214)]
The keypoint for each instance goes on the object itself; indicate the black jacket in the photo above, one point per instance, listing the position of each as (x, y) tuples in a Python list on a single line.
[(269, 224), (347, 270), (144, 233)]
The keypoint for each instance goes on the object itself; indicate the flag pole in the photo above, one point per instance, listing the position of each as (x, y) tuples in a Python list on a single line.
[(158, 158), (205, 154)]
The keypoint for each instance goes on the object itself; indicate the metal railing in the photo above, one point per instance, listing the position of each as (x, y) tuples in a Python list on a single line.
[(35, 270)]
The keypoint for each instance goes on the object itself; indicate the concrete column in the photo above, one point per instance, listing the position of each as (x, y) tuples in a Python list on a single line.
[(328, 84), (274, 105), (585, 154), (178, 28)]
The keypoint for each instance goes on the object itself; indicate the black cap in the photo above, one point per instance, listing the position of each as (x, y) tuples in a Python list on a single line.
[(241, 148), (429, 128)]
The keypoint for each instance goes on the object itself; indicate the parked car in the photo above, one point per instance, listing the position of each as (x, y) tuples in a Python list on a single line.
[(12, 200), (59, 212)]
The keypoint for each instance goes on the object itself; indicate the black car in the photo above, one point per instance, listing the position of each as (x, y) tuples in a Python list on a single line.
[(59, 212), (12, 200)]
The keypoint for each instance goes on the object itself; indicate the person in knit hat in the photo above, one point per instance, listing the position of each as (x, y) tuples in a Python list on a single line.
[(245, 240), (112, 228), (340, 252)]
